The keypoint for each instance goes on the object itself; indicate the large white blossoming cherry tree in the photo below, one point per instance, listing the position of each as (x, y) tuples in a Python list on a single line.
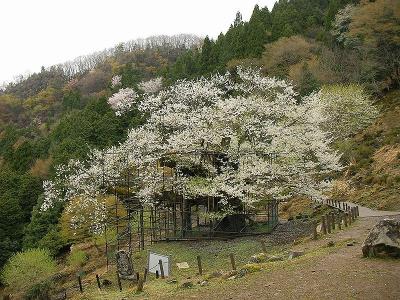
[(265, 142)]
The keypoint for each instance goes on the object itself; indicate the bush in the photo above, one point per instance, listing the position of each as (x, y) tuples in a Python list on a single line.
[(77, 258), (28, 268)]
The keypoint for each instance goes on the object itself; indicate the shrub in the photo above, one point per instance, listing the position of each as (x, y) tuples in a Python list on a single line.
[(77, 258), (28, 268), (348, 109)]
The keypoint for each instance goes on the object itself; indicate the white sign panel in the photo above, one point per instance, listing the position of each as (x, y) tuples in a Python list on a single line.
[(153, 263)]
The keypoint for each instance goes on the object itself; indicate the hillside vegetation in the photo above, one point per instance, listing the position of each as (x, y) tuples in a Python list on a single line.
[(373, 176)]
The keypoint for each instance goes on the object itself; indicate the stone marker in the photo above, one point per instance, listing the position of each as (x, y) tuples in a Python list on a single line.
[(124, 265)]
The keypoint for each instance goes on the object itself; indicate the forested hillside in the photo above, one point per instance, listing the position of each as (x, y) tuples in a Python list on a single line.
[(342, 47)]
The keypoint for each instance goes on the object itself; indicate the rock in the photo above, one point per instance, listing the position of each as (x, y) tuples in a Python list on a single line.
[(275, 258), (215, 274), (349, 244), (204, 283), (172, 281), (258, 258), (383, 240), (61, 295), (106, 282), (294, 254), (331, 244), (229, 274), (241, 273), (187, 284)]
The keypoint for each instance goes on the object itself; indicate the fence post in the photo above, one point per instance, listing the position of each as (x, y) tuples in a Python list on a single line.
[(233, 261), (80, 284), (161, 269), (145, 274), (264, 248), (98, 281), (345, 219), (119, 282), (333, 221), (199, 265), (157, 274), (339, 221)]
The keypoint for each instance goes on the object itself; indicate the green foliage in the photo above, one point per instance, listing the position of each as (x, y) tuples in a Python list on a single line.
[(77, 258), (42, 230), (25, 269)]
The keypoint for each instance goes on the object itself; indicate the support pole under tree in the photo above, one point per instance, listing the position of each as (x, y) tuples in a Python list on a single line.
[(328, 223), (139, 286), (315, 234), (323, 224)]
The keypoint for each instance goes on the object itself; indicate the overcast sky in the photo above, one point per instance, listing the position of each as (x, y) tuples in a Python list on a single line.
[(35, 33)]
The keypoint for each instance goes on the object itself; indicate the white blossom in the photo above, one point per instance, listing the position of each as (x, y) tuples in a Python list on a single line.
[(116, 81), (268, 144), (123, 100)]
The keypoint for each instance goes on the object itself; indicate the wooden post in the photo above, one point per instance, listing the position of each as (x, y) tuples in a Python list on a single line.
[(161, 269), (340, 205), (145, 274), (358, 211), (233, 261), (137, 276), (80, 284), (345, 219), (339, 218), (119, 282), (139, 286), (348, 217), (323, 224), (333, 221), (199, 265), (157, 274), (98, 281), (263, 247)]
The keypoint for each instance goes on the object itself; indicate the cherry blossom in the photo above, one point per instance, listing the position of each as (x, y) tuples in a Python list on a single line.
[(252, 135)]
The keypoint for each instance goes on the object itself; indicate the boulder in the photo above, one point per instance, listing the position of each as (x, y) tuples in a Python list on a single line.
[(187, 284), (258, 258), (383, 240), (294, 254), (276, 258)]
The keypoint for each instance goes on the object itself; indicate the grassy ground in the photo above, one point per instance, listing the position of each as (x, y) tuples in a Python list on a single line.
[(214, 255)]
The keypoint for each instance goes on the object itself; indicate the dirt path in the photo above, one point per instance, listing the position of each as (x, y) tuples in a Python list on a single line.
[(367, 212), (340, 274)]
